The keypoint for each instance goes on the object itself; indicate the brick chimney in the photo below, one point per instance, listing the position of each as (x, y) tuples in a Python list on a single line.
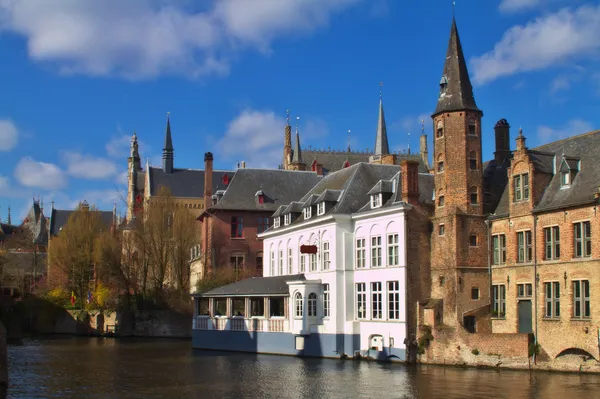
[(502, 133), (317, 168), (409, 173), (208, 172)]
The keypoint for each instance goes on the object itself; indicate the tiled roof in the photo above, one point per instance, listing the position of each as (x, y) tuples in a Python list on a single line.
[(279, 187), (259, 286), (59, 219), (334, 160), (185, 183)]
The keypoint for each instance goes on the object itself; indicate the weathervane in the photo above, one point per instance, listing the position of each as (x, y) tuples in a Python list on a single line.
[(422, 126), (297, 124), (380, 90), (409, 143), (287, 116), (453, 7), (348, 140)]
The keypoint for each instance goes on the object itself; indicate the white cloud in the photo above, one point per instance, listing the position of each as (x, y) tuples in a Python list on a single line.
[(86, 166), (549, 41), (31, 173), (560, 83), (101, 199), (140, 39), (548, 134), (122, 178), (118, 147), (252, 137), (9, 135), (517, 5)]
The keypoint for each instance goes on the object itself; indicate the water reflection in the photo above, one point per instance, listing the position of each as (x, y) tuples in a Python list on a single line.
[(107, 368)]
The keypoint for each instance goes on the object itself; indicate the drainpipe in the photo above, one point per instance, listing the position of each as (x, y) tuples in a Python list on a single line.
[(535, 298), (489, 260)]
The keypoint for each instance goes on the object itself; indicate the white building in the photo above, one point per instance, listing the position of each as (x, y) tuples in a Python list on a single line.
[(335, 275)]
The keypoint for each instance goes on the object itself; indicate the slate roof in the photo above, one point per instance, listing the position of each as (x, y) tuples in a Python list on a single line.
[(280, 187), (185, 183), (334, 160), (255, 286), (59, 218)]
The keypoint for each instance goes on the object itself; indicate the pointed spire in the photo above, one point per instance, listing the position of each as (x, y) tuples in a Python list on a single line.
[(381, 141), (349, 149), (168, 148), (456, 92), (297, 157)]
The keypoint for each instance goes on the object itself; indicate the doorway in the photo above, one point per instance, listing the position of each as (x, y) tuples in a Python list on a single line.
[(525, 318), (470, 324)]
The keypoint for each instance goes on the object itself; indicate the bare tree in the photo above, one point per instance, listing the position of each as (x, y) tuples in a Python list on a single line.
[(185, 234)]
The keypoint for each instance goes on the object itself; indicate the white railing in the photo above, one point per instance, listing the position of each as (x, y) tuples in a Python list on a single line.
[(240, 324)]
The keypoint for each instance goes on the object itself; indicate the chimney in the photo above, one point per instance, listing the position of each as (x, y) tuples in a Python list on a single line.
[(317, 168), (409, 173), (243, 164), (208, 170), (423, 150), (521, 141), (502, 133)]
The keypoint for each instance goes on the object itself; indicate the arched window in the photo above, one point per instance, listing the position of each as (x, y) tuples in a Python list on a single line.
[(440, 160), (312, 304), (473, 160), (298, 304), (472, 127), (473, 195), (439, 132), (440, 198)]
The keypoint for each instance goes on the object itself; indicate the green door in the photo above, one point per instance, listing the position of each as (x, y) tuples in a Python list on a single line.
[(525, 319)]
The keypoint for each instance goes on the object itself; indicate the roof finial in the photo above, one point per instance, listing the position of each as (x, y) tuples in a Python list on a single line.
[(380, 90), (287, 116), (521, 131), (422, 126), (453, 8), (408, 143), (349, 150), (297, 124)]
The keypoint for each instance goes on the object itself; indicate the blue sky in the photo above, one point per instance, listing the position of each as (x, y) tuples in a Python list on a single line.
[(77, 77)]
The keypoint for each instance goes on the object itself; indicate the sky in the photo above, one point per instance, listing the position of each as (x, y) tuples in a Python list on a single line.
[(78, 77)]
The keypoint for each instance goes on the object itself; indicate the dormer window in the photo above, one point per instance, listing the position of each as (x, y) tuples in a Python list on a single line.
[(521, 187), (443, 83), (287, 219), (276, 222), (321, 209), (565, 178), (375, 201), (307, 212)]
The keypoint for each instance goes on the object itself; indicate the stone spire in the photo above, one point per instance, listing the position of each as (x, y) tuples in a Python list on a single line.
[(167, 156), (381, 141), (297, 157), (287, 142), (423, 145), (456, 92), (134, 153)]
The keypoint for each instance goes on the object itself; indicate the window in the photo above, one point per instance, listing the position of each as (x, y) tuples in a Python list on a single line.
[(499, 249), (259, 263), (392, 250), (257, 307), (237, 227), (290, 261), (473, 240), (195, 252), (524, 290), (326, 300), (298, 304), (440, 130), (287, 219), (326, 260), (565, 178), (307, 212), (498, 301), (238, 307), (203, 307), (276, 307), (582, 233), (581, 299), (302, 263), (472, 128), (276, 222), (440, 164), (375, 201), (313, 262), (521, 187), (552, 299), (321, 209), (237, 262), (312, 304), (220, 305), (376, 301), (524, 247), (263, 224), (361, 256), (393, 288), (376, 251), (441, 201), (272, 263), (473, 160), (473, 196), (442, 229), (280, 261), (551, 243), (475, 293), (361, 301)]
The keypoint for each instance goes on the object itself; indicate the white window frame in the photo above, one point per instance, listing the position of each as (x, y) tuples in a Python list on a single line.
[(276, 222), (393, 250), (320, 208), (361, 253), (311, 304), (312, 262), (393, 300), (273, 263), (326, 256), (376, 201), (326, 301), (298, 305), (290, 260), (376, 300), (287, 219), (302, 263), (280, 259), (565, 178), (376, 260), (361, 299), (521, 187), (307, 212)]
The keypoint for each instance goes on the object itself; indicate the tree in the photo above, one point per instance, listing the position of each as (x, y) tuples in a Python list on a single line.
[(185, 234), (72, 253), (24, 261)]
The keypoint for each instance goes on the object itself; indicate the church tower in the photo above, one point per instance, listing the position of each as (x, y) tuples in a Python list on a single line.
[(287, 143), (297, 161), (167, 157), (459, 237), (133, 168)]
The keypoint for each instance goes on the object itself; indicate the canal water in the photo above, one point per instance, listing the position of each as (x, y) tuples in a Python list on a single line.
[(90, 368)]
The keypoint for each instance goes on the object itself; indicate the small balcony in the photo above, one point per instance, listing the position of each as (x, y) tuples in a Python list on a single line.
[(241, 324)]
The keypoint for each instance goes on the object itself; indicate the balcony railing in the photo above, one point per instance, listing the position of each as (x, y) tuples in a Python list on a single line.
[(241, 324)]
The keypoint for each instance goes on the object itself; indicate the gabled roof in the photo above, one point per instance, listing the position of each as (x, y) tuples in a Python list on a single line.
[(185, 183), (334, 160), (382, 186), (329, 196), (294, 207), (59, 218), (259, 286), (280, 187)]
